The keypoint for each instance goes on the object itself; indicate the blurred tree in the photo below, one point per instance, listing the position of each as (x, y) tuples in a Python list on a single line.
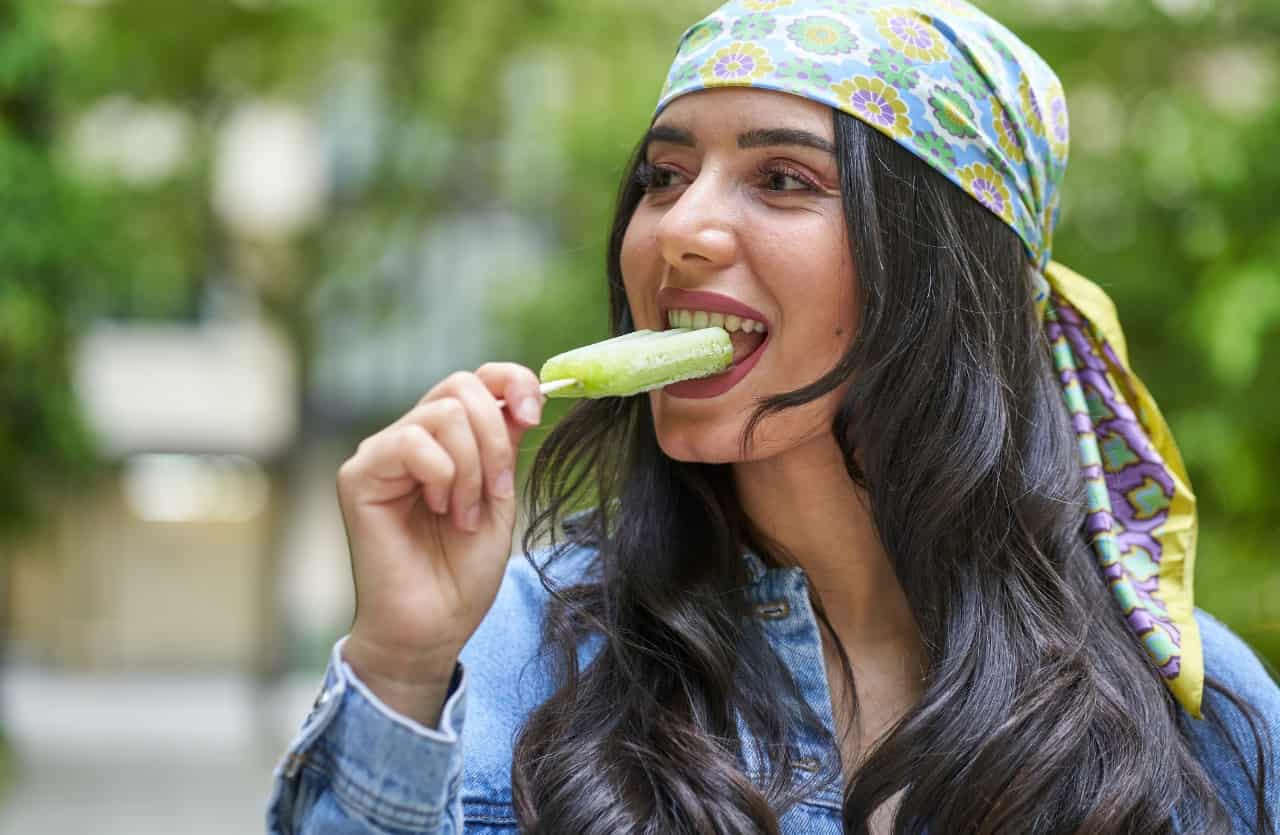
[(47, 233), (51, 266)]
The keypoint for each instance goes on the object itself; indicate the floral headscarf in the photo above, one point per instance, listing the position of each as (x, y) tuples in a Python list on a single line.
[(964, 94)]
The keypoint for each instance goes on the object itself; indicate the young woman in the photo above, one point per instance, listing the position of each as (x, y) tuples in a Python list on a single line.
[(920, 561)]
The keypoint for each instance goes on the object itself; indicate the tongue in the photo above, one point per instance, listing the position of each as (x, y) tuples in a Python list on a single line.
[(744, 343)]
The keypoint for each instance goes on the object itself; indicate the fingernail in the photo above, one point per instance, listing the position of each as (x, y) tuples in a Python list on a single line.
[(529, 410), (504, 486), (472, 520)]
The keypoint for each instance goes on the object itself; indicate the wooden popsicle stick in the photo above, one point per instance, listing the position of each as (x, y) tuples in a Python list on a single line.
[(546, 388)]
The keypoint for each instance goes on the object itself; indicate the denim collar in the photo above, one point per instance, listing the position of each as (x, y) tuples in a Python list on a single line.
[(755, 567)]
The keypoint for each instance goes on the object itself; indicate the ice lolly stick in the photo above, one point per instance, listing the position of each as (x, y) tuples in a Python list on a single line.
[(556, 385), (545, 388)]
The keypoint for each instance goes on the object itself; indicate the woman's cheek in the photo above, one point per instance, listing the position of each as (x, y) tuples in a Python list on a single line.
[(634, 260)]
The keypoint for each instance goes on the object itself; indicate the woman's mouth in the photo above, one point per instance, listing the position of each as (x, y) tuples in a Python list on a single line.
[(747, 328), (747, 350), (735, 325)]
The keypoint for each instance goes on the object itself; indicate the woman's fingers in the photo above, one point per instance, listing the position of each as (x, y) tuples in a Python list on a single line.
[(396, 461), (518, 386), (462, 416), (429, 463), (489, 425), (452, 426), (457, 443)]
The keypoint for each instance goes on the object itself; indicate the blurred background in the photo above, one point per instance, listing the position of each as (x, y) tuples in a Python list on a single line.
[(237, 237)]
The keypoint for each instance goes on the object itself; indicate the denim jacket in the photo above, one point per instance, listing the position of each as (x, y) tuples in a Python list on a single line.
[(356, 766)]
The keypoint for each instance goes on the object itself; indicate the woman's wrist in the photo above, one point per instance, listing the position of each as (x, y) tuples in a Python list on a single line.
[(412, 684)]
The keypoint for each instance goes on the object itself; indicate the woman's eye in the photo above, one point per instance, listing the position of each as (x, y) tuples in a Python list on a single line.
[(782, 179), (650, 176)]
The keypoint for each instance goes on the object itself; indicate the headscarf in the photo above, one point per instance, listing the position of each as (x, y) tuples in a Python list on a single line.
[(961, 92)]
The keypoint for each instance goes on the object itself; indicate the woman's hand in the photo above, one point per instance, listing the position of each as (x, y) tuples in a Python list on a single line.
[(429, 507)]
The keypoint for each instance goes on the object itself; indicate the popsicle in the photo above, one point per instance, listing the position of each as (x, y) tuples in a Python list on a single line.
[(636, 362)]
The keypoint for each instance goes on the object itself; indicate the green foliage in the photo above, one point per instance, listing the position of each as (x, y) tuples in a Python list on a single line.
[(47, 275)]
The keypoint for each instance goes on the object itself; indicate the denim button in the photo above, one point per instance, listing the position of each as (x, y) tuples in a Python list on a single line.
[(773, 610), (295, 764)]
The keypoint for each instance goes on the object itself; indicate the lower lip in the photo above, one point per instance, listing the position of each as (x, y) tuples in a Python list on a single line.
[(718, 384)]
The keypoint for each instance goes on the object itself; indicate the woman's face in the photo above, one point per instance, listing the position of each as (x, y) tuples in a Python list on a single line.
[(743, 202)]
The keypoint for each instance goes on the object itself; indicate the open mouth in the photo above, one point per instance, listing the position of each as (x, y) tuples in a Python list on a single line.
[(747, 335), (747, 327), (747, 350)]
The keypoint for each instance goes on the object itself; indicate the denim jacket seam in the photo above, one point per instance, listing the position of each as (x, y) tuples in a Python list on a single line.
[(345, 699), (495, 812), (351, 792)]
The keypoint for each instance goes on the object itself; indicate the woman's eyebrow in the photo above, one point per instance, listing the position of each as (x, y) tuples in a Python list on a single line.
[(673, 135), (757, 138), (764, 137)]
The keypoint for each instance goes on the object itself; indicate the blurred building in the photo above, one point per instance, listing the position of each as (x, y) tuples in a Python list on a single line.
[(163, 562)]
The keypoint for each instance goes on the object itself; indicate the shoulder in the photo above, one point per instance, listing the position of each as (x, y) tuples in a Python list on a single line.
[(1230, 661), (507, 676)]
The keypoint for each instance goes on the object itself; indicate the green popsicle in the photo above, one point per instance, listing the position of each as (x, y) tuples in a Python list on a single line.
[(639, 361)]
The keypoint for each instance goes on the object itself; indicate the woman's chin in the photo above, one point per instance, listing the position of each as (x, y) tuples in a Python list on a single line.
[(698, 445)]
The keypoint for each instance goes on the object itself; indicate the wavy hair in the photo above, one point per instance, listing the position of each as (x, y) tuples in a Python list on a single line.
[(1040, 714)]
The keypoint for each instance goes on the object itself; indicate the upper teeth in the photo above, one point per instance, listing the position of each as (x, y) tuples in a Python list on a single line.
[(703, 319)]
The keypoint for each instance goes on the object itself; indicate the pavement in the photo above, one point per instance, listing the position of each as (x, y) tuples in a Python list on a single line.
[(144, 754)]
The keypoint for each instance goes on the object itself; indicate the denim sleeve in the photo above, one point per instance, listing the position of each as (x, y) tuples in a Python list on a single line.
[(356, 766), (1232, 661)]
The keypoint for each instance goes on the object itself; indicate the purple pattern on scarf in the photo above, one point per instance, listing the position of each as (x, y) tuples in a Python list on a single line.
[(1123, 522)]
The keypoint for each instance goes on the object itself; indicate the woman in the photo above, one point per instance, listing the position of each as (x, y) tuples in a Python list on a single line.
[(921, 561)]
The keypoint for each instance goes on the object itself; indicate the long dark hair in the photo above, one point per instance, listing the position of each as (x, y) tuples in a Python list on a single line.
[(1041, 713)]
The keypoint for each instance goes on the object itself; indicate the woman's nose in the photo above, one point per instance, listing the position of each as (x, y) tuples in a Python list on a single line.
[(698, 229)]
